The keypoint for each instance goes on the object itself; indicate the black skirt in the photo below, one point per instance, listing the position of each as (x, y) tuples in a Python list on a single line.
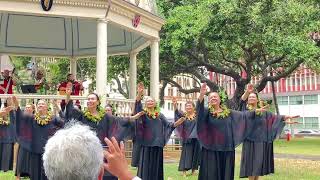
[(257, 159), (6, 156), (135, 154), (37, 170), (216, 165), (23, 163), (190, 155), (151, 163)]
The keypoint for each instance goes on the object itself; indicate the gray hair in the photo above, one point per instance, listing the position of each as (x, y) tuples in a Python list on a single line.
[(73, 153)]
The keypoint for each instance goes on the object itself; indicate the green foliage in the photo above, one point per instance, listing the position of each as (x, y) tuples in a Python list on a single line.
[(229, 37), (58, 72)]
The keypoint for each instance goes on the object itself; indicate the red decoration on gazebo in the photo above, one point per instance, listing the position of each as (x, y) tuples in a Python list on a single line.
[(136, 20)]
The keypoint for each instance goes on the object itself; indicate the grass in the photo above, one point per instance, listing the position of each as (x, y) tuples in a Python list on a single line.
[(286, 169), (299, 146), (303, 146)]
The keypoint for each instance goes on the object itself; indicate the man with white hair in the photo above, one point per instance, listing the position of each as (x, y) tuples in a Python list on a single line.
[(75, 153)]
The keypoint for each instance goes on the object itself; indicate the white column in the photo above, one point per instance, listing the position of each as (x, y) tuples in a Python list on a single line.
[(133, 75), (73, 67), (101, 70), (154, 70)]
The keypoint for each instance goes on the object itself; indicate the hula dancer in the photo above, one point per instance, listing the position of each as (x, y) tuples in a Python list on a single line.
[(190, 155), (33, 133), (153, 131), (257, 157), (103, 123), (23, 157), (7, 136), (220, 130)]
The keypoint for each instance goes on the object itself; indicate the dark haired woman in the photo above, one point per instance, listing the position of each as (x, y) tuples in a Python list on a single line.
[(153, 131), (257, 150), (104, 124), (7, 137), (109, 109), (190, 154)]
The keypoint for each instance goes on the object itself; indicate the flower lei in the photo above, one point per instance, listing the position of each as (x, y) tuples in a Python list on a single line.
[(42, 121), (5, 121), (225, 112), (155, 113), (188, 117), (92, 117), (250, 108)]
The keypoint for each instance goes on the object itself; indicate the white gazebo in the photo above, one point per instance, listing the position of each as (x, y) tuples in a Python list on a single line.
[(83, 28)]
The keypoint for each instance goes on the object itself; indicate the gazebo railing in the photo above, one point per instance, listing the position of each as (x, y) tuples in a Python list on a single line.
[(123, 107)]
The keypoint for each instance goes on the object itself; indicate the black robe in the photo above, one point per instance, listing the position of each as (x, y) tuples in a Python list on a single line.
[(257, 150), (7, 140), (136, 148), (109, 126), (152, 134), (219, 137), (24, 138), (33, 137), (190, 154)]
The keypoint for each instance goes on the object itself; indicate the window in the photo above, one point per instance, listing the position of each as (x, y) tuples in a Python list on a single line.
[(312, 80), (170, 92), (298, 81), (295, 100), (169, 107), (302, 79), (283, 100), (308, 79), (293, 82), (178, 93), (311, 99), (300, 125), (311, 122)]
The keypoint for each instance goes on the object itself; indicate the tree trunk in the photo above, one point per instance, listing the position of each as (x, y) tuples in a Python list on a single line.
[(275, 98), (165, 83)]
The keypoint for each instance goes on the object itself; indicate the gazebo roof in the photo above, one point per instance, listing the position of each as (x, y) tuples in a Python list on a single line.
[(70, 27)]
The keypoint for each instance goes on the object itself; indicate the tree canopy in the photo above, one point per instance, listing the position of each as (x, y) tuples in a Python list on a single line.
[(264, 38)]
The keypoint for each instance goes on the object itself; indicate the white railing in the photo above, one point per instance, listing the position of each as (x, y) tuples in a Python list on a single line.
[(124, 107)]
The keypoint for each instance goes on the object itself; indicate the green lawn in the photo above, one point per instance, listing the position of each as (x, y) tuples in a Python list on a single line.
[(300, 146), (306, 146), (286, 169)]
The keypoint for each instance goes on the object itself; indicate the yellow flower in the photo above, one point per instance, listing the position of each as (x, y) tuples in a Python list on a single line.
[(42, 121), (94, 118)]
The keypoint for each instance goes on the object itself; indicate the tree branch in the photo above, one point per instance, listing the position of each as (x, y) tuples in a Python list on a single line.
[(181, 89), (120, 89), (286, 73)]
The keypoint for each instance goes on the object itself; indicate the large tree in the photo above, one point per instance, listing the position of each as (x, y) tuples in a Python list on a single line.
[(265, 38)]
